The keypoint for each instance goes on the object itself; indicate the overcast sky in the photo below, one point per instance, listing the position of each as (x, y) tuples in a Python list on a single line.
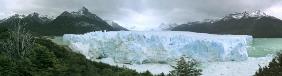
[(143, 14)]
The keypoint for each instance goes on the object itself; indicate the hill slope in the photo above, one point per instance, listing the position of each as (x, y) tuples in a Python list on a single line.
[(46, 58), (78, 22), (116, 26), (257, 24)]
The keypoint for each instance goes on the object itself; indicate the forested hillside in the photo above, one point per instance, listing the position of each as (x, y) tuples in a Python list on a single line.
[(22, 54)]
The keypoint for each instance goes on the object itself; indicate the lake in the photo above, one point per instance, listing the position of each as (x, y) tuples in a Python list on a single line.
[(264, 46)]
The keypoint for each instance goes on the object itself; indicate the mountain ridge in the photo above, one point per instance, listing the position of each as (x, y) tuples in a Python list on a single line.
[(257, 24), (75, 22)]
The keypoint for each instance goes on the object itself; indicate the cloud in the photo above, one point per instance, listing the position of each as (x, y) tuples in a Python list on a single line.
[(142, 13), (275, 10)]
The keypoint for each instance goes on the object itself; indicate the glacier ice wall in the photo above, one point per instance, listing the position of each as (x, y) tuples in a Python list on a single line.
[(159, 47)]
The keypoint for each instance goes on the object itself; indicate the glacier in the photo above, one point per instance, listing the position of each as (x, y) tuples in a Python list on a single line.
[(227, 68), (140, 47)]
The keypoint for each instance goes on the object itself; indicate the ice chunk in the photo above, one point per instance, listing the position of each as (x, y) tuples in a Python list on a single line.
[(159, 47), (228, 68), (233, 68)]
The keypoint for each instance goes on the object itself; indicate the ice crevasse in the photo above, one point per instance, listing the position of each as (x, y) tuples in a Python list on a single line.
[(159, 47)]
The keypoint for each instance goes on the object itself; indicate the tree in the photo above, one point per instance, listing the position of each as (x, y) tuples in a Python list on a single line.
[(19, 43), (162, 74), (147, 73), (17, 47), (273, 69), (46, 63), (21, 54), (186, 68)]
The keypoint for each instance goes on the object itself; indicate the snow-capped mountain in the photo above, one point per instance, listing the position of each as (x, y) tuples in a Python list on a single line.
[(167, 27), (76, 22), (34, 22), (80, 22), (35, 17), (116, 26), (257, 14), (257, 24)]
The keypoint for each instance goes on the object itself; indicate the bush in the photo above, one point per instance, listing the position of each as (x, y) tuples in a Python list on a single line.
[(147, 73), (186, 68), (273, 69)]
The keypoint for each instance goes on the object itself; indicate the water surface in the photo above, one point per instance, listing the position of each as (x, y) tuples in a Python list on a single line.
[(264, 46)]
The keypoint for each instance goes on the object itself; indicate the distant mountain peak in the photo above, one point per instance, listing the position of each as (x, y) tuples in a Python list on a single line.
[(65, 13), (245, 14), (257, 23), (77, 22), (167, 26), (35, 14), (115, 25), (81, 12), (258, 13), (18, 16), (84, 10)]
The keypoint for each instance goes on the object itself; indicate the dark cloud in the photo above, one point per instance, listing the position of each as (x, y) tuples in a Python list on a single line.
[(137, 12)]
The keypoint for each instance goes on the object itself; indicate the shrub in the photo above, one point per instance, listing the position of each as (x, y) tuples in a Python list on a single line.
[(273, 69), (186, 68)]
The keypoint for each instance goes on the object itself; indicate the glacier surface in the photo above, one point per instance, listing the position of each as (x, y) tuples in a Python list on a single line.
[(228, 68), (136, 47)]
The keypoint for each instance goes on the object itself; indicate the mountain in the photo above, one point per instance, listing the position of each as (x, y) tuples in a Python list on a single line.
[(167, 27), (257, 24), (1, 21), (33, 22), (116, 26), (78, 22), (36, 23)]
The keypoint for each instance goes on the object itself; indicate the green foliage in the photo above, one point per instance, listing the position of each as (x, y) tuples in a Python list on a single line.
[(162, 74), (18, 43), (3, 33), (7, 67), (186, 68), (128, 72), (147, 73), (46, 58), (46, 62), (273, 69)]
